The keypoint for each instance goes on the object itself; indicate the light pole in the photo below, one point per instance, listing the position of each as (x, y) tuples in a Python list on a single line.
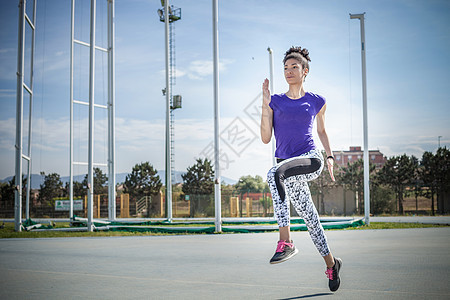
[(168, 93), (217, 194), (439, 141), (364, 92), (169, 14)]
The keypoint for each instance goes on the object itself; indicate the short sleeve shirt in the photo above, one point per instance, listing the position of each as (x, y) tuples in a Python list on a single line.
[(293, 120)]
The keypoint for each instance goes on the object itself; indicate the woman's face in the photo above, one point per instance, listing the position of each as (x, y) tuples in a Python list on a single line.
[(293, 71)]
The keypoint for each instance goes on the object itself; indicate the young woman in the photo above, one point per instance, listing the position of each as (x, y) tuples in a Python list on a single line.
[(291, 115)]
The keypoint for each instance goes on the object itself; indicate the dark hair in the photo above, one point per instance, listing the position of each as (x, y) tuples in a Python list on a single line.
[(302, 55)]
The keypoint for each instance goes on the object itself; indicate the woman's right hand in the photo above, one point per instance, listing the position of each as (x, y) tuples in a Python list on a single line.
[(266, 114), (266, 93)]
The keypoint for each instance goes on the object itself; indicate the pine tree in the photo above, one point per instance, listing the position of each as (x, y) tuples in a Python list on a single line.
[(398, 173), (143, 181)]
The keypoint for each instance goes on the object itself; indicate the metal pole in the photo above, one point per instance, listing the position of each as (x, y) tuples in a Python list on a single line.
[(217, 195), (72, 28), (91, 118), (168, 93), (111, 115), (30, 112), (274, 161), (19, 114), (365, 122)]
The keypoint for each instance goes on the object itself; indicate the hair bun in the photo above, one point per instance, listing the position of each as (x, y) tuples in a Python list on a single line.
[(303, 52)]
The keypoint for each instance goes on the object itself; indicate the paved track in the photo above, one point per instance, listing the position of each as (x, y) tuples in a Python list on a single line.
[(377, 264)]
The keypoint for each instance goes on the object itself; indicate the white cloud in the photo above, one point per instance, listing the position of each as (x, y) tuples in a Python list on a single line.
[(199, 69), (202, 68)]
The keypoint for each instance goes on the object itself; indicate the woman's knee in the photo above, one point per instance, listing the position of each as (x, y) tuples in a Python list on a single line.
[(271, 174)]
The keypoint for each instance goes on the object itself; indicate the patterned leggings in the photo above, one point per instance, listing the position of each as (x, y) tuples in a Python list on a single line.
[(288, 179)]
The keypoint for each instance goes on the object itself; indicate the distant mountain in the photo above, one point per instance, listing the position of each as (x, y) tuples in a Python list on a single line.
[(37, 179)]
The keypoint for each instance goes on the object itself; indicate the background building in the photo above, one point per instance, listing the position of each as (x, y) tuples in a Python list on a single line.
[(355, 153)]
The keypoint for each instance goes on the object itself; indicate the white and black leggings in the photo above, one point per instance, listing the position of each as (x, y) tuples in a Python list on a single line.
[(288, 181)]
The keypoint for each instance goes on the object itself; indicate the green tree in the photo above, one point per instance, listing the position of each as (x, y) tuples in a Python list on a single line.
[(143, 181), (198, 183), (100, 180), (352, 177), (428, 174), (250, 184), (398, 173), (7, 194), (50, 189), (320, 187), (381, 199), (417, 183), (442, 163), (199, 178), (247, 184), (79, 189)]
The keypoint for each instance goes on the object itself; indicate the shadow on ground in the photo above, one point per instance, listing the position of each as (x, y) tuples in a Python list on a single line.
[(308, 296)]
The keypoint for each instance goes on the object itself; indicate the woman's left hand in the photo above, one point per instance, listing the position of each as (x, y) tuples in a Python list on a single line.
[(330, 163)]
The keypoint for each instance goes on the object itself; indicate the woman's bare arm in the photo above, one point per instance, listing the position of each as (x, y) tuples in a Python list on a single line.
[(324, 139)]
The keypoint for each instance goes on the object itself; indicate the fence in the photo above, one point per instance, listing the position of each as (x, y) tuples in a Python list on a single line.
[(336, 202)]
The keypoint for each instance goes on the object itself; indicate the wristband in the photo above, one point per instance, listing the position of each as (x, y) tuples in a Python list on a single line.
[(331, 156)]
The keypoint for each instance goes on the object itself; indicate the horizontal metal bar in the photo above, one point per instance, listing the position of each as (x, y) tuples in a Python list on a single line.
[(28, 89), (101, 49), (88, 45), (81, 102), (29, 21), (81, 43), (85, 164), (100, 164), (26, 157), (101, 106), (87, 104)]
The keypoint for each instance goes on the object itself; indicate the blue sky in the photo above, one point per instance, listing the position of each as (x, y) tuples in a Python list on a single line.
[(408, 70)]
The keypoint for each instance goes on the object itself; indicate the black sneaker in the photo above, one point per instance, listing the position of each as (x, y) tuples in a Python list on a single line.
[(284, 251), (333, 275)]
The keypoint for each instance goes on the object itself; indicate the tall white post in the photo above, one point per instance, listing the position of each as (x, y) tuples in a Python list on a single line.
[(111, 115), (72, 37), (168, 133), (91, 119), (217, 194), (19, 114), (30, 119), (364, 92), (274, 161)]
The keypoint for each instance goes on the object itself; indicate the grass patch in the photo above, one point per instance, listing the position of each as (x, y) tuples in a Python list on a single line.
[(394, 225), (8, 230)]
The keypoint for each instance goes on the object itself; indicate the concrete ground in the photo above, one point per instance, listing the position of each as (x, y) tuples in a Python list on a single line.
[(377, 264)]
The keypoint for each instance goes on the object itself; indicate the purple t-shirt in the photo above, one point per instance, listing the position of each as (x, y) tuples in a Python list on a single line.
[(293, 122)]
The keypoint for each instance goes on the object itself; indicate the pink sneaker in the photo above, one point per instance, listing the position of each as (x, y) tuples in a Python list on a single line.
[(333, 275), (284, 252)]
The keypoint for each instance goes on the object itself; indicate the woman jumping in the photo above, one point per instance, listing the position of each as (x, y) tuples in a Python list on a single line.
[(291, 115)]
